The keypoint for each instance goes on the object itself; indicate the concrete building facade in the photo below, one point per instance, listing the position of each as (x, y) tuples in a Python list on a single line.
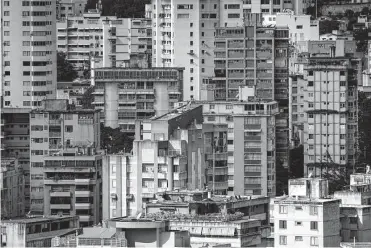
[(247, 141), (255, 58), (36, 231), (166, 155), (15, 145), (13, 189), (64, 145), (92, 40), (331, 106), (68, 8), (28, 46), (306, 217), (128, 94)]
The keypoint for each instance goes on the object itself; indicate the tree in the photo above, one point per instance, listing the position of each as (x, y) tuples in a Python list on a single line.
[(115, 141), (65, 70), (87, 99), (349, 13), (120, 8), (337, 180), (297, 162), (327, 26), (281, 178), (365, 11)]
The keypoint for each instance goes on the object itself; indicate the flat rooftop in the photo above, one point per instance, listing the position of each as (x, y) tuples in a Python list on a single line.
[(175, 113), (98, 232), (303, 200), (38, 219)]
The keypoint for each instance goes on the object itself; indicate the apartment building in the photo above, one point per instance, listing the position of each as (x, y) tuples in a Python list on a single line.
[(37, 231), (105, 41), (65, 158), (204, 203), (307, 217), (330, 125), (15, 146), (68, 8), (12, 185), (128, 94), (255, 58), (355, 210), (245, 134), (28, 61), (167, 155), (296, 109)]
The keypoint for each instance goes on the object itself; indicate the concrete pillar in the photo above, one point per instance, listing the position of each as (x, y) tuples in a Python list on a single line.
[(170, 174)]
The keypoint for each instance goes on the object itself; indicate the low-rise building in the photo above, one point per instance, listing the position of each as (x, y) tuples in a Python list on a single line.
[(102, 237), (307, 216), (355, 209), (73, 91), (36, 231), (149, 232)]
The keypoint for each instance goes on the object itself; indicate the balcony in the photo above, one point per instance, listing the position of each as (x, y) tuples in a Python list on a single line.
[(263, 65), (236, 44), (218, 156), (218, 185), (86, 218), (82, 205), (148, 175), (146, 190), (52, 181), (55, 122), (176, 176), (60, 206), (161, 175), (55, 134), (83, 181), (83, 193), (60, 194), (255, 127)]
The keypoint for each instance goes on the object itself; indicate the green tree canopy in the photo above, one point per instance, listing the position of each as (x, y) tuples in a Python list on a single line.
[(120, 8), (115, 141), (65, 70)]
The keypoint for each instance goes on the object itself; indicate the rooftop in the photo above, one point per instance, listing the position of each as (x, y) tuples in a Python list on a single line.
[(303, 200), (139, 69), (175, 113), (98, 232), (38, 219)]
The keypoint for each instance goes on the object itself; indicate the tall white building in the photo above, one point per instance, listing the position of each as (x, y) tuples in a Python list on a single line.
[(28, 47), (330, 127)]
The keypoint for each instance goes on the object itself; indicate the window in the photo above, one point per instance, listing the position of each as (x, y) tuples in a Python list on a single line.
[(283, 209), (191, 43), (69, 128), (343, 83), (6, 3), (191, 24), (299, 26), (26, 43), (311, 136), (313, 225), (191, 61), (298, 238), (342, 73), (298, 208), (7, 63), (203, 61), (6, 33), (283, 224), (113, 183), (310, 83), (353, 220), (191, 34), (212, 106), (310, 116), (283, 240), (211, 118), (6, 43), (6, 23), (314, 241), (342, 136), (298, 223)]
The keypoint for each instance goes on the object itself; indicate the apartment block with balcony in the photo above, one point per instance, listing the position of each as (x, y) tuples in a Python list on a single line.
[(307, 217), (331, 106), (255, 58), (13, 189), (28, 59), (64, 158), (128, 94), (105, 41), (167, 155), (355, 209), (68, 8), (15, 146), (243, 133), (296, 109), (238, 133)]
